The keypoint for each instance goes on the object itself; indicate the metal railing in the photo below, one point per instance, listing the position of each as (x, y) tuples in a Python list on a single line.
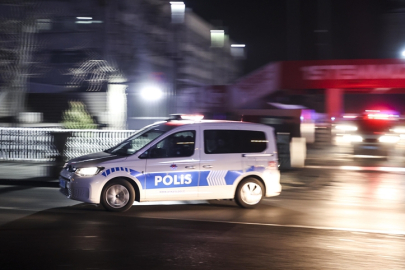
[(39, 144)]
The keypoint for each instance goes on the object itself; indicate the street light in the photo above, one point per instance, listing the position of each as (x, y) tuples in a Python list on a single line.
[(403, 54)]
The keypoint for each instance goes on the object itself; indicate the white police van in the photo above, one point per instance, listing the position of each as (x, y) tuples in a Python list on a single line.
[(179, 160)]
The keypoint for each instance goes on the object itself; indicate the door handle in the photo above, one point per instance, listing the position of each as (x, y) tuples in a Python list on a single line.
[(190, 167), (257, 155), (207, 166)]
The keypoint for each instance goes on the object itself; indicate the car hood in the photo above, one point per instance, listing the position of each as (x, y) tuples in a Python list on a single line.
[(93, 159)]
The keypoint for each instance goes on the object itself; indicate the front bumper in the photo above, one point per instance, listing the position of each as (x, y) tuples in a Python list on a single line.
[(372, 149), (75, 192), (79, 189)]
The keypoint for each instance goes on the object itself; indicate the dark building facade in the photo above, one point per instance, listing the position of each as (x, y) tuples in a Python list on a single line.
[(115, 49)]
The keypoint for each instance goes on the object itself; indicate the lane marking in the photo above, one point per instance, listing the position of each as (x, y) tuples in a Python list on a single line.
[(19, 209), (396, 233), (8, 208)]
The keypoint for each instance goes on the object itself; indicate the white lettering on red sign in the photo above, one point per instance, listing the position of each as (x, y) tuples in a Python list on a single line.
[(354, 72)]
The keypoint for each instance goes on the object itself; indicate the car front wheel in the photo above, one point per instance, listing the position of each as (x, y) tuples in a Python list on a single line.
[(249, 193), (118, 195)]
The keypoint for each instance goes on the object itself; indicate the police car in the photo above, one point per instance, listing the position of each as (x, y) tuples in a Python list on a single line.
[(373, 133), (182, 159)]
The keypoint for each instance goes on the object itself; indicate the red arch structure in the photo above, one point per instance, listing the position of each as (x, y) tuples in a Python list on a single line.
[(335, 76)]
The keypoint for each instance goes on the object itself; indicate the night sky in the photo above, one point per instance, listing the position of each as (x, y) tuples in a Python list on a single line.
[(280, 30)]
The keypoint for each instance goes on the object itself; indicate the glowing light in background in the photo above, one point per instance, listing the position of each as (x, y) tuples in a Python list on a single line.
[(178, 11), (382, 116), (350, 168), (151, 93), (238, 50), (355, 138), (217, 38), (87, 20), (387, 192), (398, 130), (346, 127), (388, 139)]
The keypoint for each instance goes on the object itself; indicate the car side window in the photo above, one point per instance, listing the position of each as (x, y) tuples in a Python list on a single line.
[(234, 141), (219, 141), (180, 144)]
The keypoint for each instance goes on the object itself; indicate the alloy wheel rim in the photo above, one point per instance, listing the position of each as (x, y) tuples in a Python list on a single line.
[(251, 193), (117, 196)]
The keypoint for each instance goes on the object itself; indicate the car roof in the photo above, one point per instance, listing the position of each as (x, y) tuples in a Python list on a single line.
[(208, 122)]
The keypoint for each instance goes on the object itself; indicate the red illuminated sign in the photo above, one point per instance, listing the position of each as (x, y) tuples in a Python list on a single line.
[(371, 73)]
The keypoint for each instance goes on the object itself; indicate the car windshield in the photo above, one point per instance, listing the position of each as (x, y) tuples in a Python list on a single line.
[(139, 140)]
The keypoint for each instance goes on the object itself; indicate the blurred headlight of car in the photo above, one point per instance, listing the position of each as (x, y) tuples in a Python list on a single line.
[(388, 139), (355, 138), (398, 130), (89, 171), (346, 127)]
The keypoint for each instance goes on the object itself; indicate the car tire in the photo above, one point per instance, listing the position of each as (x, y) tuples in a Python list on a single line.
[(118, 195), (249, 193)]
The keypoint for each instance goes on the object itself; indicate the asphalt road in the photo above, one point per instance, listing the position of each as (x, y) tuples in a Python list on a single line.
[(324, 219), (85, 238)]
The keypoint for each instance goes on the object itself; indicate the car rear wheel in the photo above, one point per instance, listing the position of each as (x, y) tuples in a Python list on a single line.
[(118, 195), (249, 193)]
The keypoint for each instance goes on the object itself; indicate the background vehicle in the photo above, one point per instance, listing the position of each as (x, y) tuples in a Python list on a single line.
[(373, 133)]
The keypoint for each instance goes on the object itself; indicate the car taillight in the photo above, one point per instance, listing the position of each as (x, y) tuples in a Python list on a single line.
[(272, 164)]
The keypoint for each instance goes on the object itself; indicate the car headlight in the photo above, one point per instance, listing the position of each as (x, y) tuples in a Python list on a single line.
[(398, 130), (346, 127), (356, 138), (388, 139), (89, 171)]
